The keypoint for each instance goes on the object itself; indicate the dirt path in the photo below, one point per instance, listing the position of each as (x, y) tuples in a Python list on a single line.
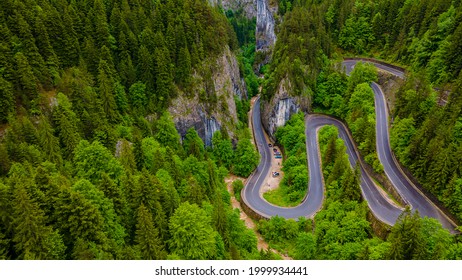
[(261, 243)]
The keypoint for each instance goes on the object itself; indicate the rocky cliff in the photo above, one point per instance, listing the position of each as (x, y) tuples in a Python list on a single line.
[(263, 11), (190, 111), (249, 7), (277, 111), (265, 25)]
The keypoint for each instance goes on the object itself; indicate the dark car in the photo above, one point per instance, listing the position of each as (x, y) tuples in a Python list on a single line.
[(275, 174), (270, 145), (275, 150)]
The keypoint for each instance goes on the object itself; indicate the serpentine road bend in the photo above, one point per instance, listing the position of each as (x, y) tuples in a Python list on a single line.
[(381, 207), (400, 181)]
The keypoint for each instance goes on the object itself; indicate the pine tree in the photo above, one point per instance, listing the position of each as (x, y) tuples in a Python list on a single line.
[(127, 157), (30, 231), (163, 78), (183, 68), (66, 125), (120, 98), (106, 55), (127, 71), (90, 55), (220, 222), (138, 98), (331, 152), (71, 47), (101, 25), (166, 133), (145, 70), (352, 190), (106, 91), (30, 50), (193, 144), (49, 143), (80, 219), (115, 193), (44, 45), (26, 79), (147, 236), (405, 237)]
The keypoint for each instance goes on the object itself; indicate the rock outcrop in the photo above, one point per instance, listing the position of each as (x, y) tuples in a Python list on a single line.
[(190, 112), (265, 34), (249, 7), (277, 111)]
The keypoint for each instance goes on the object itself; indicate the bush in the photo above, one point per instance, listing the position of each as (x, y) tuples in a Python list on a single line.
[(237, 188)]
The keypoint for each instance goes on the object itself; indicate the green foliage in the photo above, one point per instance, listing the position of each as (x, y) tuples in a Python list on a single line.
[(91, 163), (222, 149), (147, 236), (111, 40), (166, 133), (246, 158), (361, 120), (330, 92), (362, 73), (138, 98), (237, 188), (6, 99), (306, 246), (193, 144), (92, 160), (298, 55), (357, 34), (192, 236), (425, 138), (244, 27), (32, 238), (401, 134), (405, 238)]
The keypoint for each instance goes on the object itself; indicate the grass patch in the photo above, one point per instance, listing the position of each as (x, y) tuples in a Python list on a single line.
[(281, 197)]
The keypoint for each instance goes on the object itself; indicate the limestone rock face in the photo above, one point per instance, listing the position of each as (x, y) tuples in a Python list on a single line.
[(265, 26), (277, 111), (190, 111), (262, 11)]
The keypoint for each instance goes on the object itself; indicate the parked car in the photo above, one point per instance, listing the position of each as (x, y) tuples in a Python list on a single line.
[(278, 156), (275, 150), (270, 145), (275, 174)]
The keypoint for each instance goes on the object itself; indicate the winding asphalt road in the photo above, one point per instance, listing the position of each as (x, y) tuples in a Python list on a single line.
[(380, 206)]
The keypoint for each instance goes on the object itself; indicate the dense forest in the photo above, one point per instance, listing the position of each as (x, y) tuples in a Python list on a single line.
[(92, 166)]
